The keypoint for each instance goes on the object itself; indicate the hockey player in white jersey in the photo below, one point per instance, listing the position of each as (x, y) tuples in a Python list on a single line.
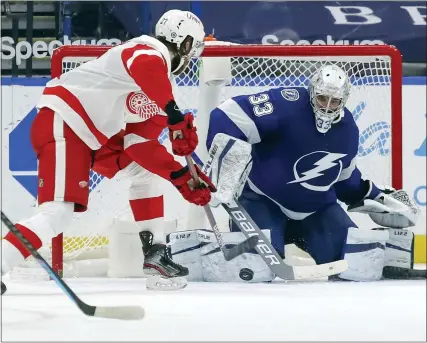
[(304, 145), (85, 113)]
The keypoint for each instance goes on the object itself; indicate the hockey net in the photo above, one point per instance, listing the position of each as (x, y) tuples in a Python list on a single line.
[(375, 102)]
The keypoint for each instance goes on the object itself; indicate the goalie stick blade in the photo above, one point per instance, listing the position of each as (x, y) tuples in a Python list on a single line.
[(404, 274), (120, 312), (320, 270), (241, 248)]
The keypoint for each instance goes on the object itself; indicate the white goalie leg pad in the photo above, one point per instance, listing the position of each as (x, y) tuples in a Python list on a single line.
[(185, 250), (248, 267), (200, 253), (365, 253), (228, 167), (399, 250), (125, 256)]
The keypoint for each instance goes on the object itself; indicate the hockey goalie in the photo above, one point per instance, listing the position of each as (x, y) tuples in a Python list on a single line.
[(83, 122), (289, 155)]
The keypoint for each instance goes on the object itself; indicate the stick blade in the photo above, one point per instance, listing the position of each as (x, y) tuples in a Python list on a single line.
[(120, 312), (320, 270), (403, 273), (241, 248)]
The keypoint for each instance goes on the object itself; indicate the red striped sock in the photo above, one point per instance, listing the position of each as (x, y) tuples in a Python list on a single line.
[(29, 235)]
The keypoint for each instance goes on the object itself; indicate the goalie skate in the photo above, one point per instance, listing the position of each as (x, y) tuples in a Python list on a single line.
[(162, 273)]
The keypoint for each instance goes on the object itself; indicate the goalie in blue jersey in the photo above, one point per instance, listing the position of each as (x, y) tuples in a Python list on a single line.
[(304, 145)]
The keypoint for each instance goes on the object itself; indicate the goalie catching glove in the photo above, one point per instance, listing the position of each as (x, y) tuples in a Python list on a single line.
[(184, 182), (391, 208)]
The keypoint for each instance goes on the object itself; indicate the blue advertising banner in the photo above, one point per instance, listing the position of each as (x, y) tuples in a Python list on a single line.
[(399, 23)]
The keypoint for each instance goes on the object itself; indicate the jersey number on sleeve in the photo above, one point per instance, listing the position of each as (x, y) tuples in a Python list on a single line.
[(261, 105)]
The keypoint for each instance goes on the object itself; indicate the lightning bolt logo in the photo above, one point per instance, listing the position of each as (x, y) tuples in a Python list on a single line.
[(323, 164)]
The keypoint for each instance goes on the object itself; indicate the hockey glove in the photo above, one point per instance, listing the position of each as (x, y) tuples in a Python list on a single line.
[(391, 208), (198, 195), (183, 136)]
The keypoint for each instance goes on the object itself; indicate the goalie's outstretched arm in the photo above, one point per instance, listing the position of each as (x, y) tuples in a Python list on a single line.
[(351, 187)]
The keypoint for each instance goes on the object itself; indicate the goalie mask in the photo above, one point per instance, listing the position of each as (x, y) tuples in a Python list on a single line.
[(184, 31), (329, 91)]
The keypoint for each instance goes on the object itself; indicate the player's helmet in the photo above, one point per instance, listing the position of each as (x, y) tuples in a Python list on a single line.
[(185, 32), (329, 91)]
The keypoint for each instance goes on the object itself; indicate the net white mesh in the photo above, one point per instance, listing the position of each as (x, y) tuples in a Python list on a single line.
[(370, 103)]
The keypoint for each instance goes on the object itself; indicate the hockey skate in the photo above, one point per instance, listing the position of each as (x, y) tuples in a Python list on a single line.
[(162, 273)]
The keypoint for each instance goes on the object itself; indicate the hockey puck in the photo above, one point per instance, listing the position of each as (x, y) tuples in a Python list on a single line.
[(246, 274)]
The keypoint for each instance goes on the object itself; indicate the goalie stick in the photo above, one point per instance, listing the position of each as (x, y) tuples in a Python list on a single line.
[(404, 274), (264, 248), (270, 256), (112, 312), (240, 248)]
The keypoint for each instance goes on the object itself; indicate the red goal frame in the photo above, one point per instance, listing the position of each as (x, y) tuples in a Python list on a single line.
[(271, 51)]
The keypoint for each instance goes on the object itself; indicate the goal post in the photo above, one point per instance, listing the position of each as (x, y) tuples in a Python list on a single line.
[(376, 103)]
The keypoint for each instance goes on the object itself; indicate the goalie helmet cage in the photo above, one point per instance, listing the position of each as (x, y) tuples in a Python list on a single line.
[(258, 67)]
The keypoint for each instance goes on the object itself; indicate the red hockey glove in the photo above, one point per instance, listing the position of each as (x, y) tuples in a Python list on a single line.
[(199, 195), (183, 136)]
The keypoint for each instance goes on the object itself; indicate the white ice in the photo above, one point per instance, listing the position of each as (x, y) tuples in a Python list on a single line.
[(344, 311)]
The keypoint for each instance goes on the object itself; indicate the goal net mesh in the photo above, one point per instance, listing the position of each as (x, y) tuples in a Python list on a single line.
[(370, 103)]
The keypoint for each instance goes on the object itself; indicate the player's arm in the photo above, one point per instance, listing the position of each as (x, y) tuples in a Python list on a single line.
[(149, 70), (250, 118), (385, 205), (351, 187), (142, 146)]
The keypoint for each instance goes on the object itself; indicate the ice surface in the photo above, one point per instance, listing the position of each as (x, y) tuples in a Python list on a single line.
[(384, 310)]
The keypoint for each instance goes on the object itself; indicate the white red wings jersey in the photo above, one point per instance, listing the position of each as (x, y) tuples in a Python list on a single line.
[(129, 83)]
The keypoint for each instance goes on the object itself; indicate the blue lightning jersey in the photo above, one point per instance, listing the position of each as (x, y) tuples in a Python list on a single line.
[(296, 166)]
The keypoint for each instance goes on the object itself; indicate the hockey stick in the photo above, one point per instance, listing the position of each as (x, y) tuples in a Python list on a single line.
[(270, 256), (240, 248), (112, 312), (404, 274)]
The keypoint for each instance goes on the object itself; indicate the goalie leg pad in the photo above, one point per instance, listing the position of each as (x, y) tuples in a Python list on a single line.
[(365, 254), (200, 253), (399, 251)]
